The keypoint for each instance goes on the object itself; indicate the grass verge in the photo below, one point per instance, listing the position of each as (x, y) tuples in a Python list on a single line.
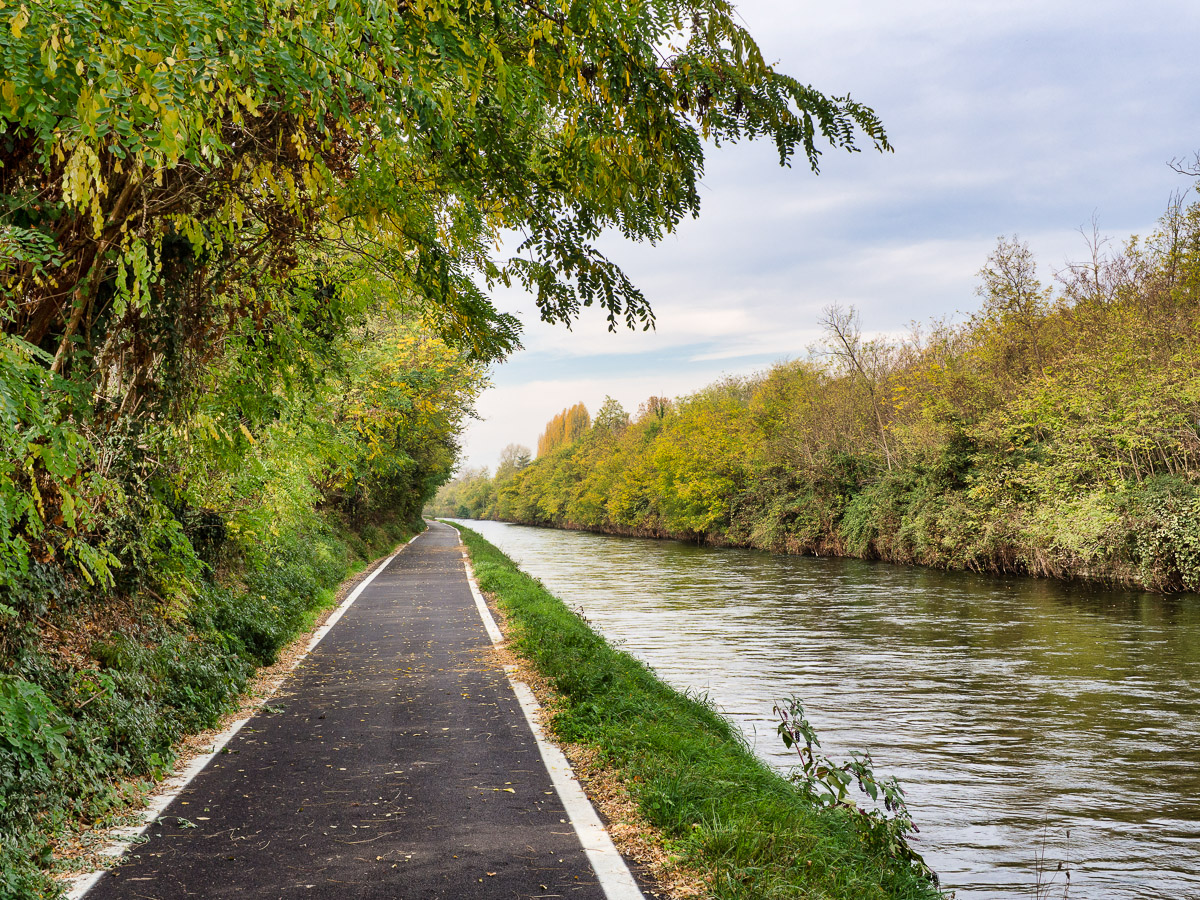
[(726, 815)]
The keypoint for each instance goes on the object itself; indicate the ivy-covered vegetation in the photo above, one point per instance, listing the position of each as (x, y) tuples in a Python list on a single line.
[(1053, 433), (244, 255)]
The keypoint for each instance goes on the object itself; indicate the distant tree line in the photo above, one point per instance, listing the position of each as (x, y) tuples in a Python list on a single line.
[(1054, 432)]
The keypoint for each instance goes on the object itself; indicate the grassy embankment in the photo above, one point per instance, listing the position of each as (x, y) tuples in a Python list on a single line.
[(746, 830), (101, 711)]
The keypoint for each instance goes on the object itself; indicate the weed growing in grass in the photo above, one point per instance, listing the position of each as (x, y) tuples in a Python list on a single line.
[(827, 784)]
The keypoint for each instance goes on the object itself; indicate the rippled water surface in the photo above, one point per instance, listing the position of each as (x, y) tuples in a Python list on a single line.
[(1018, 714)]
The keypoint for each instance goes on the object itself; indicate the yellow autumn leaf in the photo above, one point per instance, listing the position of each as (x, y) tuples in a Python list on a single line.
[(19, 21)]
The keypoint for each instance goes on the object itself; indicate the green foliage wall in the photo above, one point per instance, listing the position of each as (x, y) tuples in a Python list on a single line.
[(1051, 434), (146, 574)]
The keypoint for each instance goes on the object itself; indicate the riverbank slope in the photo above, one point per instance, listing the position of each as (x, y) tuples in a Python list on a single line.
[(740, 827)]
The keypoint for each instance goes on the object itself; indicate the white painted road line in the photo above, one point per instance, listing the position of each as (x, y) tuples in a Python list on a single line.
[(611, 870), (170, 788), (484, 613)]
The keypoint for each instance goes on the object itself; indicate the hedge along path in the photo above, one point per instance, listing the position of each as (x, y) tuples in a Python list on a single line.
[(395, 762)]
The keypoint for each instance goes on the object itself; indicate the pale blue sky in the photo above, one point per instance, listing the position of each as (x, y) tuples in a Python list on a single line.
[(1008, 117)]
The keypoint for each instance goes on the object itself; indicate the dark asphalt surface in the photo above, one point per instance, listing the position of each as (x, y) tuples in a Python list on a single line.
[(396, 764)]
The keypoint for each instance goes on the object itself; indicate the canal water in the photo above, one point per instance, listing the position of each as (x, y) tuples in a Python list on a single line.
[(1024, 718)]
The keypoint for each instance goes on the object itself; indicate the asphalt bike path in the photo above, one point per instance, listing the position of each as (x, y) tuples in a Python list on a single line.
[(395, 762)]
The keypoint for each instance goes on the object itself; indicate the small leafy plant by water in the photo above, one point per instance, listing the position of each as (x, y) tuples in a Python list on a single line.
[(827, 784)]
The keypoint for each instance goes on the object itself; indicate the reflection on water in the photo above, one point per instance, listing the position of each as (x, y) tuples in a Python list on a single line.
[(1013, 711)]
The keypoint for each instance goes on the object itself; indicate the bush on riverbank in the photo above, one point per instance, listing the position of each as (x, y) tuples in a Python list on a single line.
[(1054, 435), (733, 820)]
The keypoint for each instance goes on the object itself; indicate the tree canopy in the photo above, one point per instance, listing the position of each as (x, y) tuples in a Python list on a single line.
[(565, 427), (169, 169), (207, 207)]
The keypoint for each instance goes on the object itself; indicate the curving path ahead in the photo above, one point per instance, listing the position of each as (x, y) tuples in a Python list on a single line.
[(395, 762)]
